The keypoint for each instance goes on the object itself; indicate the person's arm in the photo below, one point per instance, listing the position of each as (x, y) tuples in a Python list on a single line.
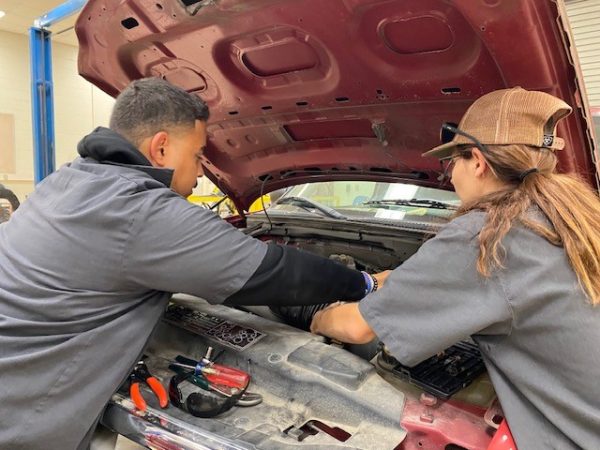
[(175, 246), (301, 316), (343, 322), (433, 300), (287, 276)]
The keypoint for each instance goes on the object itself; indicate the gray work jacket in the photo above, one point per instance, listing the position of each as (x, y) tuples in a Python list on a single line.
[(538, 333), (87, 266)]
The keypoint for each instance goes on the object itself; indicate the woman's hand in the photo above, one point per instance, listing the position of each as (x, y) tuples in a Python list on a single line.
[(342, 321), (316, 317), (314, 325)]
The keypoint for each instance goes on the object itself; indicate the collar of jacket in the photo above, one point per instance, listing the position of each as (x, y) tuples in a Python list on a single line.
[(108, 147)]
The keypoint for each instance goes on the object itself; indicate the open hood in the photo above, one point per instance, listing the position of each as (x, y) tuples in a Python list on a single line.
[(314, 90)]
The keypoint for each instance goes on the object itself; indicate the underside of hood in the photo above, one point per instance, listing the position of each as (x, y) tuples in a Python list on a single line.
[(314, 90)]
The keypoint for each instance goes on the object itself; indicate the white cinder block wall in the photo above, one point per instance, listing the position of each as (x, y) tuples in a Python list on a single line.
[(79, 106)]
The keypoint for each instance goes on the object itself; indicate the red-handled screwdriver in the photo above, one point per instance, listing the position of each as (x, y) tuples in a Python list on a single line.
[(227, 376), (217, 373)]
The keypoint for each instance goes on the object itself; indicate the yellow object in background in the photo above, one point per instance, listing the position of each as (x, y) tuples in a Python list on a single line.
[(417, 212), (257, 205), (226, 207)]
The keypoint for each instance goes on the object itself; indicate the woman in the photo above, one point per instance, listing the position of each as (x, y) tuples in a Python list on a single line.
[(518, 270)]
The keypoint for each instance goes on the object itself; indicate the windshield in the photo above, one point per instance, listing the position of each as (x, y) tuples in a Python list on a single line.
[(368, 199)]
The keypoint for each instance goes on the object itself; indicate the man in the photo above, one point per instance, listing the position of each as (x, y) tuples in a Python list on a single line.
[(5, 210), (89, 262), (8, 203)]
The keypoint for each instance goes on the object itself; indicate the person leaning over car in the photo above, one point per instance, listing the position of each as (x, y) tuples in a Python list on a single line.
[(5, 210), (8, 203), (88, 264), (518, 270)]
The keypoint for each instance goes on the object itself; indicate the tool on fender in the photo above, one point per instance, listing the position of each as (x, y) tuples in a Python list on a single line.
[(249, 399), (141, 374), (246, 399), (216, 373), (196, 403), (226, 381), (200, 380)]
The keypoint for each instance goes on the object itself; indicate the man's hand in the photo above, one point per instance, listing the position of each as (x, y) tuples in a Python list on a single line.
[(381, 277)]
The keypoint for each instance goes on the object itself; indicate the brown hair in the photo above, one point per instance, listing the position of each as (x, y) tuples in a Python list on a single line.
[(571, 206)]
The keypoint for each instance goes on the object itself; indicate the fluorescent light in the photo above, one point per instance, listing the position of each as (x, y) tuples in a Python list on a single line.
[(2, 14)]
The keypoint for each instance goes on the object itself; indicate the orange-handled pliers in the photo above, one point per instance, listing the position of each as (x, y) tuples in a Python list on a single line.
[(141, 374)]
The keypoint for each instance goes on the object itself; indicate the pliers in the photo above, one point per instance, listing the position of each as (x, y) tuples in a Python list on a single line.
[(141, 374)]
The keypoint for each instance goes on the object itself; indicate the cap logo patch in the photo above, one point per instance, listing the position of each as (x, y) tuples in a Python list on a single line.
[(548, 140)]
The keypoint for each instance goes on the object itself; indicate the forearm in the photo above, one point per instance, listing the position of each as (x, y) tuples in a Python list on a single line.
[(291, 277), (344, 323)]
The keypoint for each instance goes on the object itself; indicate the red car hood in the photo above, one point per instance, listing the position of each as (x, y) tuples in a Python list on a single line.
[(313, 90)]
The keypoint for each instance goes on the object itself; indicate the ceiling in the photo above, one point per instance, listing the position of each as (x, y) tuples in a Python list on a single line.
[(21, 14)]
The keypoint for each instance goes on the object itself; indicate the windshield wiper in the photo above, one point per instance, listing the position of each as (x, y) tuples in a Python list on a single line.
[(417, 203), (309, 204)]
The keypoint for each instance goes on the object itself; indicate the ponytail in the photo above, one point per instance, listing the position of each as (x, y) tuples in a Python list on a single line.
[(570, 205)]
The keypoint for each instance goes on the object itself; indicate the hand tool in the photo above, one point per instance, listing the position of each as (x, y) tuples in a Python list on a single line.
[(216, 373), (141, 374), (247, 398)]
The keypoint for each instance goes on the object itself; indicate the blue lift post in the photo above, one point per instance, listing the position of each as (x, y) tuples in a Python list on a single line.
[(42, 100)]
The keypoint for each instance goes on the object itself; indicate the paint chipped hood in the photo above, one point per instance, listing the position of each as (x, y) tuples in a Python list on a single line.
[(313, 90)]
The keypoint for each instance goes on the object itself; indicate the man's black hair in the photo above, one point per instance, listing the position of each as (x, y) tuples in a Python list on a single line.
[(150, 105), (10, 196)]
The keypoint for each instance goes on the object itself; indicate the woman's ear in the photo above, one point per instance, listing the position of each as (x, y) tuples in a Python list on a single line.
[(156, 149), (479, 162)]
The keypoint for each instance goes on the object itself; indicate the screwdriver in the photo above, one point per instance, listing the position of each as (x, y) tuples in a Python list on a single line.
[(202, 382), (198, 380), (228, 376), (217, 373)]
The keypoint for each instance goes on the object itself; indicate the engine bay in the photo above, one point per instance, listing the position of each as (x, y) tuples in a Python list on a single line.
[(316, 394)]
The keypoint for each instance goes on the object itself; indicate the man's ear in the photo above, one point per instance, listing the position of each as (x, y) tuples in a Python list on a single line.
[(157, 148), (479, 163)]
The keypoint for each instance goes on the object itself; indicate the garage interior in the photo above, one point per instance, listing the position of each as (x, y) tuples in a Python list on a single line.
[(75, 106)]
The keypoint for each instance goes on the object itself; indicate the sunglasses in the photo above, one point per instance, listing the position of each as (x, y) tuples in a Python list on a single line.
[(449, 130), (198, 404)]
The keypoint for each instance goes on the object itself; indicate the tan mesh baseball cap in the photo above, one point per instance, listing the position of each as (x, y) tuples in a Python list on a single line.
[(510, 116)]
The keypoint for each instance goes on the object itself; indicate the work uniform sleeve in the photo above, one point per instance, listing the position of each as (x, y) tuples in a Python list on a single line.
[(437, 297), (176, 246), (287, 276)]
